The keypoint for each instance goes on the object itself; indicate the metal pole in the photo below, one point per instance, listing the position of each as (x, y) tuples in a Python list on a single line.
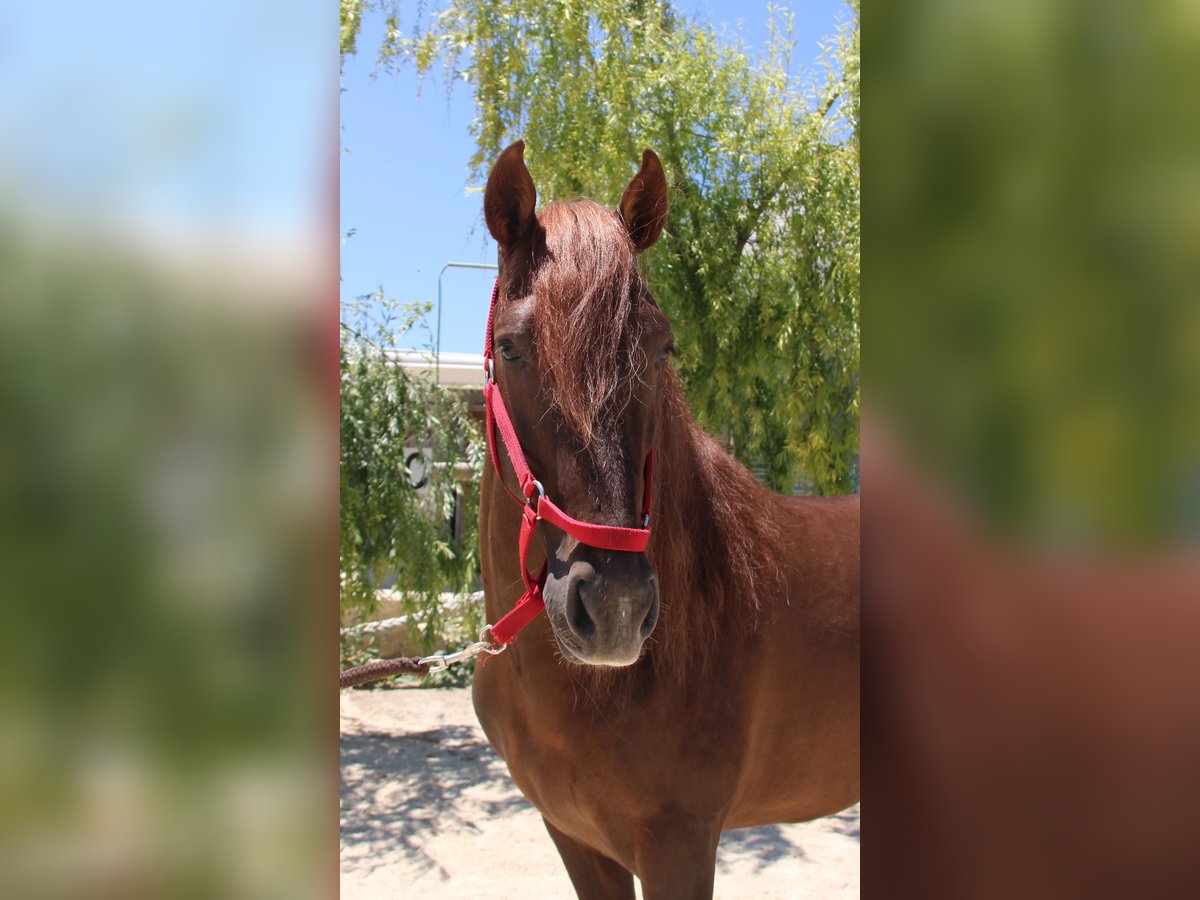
[(437, 350)]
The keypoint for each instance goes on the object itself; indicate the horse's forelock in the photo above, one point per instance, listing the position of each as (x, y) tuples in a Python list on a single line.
[(586, 326)]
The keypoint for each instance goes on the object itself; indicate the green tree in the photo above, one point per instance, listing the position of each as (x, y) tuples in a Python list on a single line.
[(759, 267), (388, 527)]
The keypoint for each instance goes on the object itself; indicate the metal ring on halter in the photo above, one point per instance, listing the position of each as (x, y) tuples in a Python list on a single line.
[(491, 370), (486, 637), (541, 491), (646, 521)]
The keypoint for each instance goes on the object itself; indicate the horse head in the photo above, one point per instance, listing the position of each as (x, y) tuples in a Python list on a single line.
[(579, 347)]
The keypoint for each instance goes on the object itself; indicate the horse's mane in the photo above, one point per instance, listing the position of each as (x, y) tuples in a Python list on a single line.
[(714, 538), (714, 541)]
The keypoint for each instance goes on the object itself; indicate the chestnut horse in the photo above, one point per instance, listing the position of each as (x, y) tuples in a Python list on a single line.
[(710, 682)]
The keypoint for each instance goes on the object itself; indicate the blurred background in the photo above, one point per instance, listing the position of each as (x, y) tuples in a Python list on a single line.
[(167, 449), (1035, 207), (1031, 448)]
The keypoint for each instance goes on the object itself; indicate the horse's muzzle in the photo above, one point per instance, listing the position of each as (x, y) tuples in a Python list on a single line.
[(603, 607)]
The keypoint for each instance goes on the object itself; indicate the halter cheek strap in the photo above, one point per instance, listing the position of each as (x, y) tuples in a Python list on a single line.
[(539, 506)]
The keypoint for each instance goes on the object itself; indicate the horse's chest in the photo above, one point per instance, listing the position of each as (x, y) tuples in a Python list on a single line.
[(581, 766)]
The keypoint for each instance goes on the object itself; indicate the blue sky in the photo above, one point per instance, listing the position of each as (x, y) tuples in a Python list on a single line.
[(404, 175)]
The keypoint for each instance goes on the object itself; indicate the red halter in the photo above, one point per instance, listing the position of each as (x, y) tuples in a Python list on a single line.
[(539, 506)]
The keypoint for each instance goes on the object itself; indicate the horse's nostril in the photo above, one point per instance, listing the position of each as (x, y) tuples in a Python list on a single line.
[(577, 615)]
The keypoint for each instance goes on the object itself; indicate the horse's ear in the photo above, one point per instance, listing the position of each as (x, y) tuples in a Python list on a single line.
[(510, 197), (643, 206)]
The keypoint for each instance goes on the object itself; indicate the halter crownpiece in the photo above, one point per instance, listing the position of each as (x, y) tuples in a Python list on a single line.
[(537, 505)]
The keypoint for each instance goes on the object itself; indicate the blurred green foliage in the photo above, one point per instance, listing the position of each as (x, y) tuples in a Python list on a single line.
[(160, 568), (1034, 226), (390, 530), (758, 269)]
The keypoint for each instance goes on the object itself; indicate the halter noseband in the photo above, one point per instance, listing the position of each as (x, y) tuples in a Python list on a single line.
[(538, 506)]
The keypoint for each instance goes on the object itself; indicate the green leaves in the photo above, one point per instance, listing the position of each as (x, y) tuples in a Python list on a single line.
[(350, 25), (402, 438)]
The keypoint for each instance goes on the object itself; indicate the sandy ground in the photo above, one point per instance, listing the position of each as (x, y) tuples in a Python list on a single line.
[(427, 806)]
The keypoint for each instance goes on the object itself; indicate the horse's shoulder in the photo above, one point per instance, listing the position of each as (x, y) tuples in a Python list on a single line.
[(819, 549)]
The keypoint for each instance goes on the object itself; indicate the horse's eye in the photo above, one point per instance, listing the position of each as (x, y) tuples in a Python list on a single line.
[(669, 350), (509, 354)]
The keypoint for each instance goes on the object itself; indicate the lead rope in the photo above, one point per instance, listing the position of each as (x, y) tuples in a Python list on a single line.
[(422, 665)]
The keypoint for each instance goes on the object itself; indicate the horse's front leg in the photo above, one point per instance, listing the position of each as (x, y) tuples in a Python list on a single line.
[(677, 858), (593, 874)]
